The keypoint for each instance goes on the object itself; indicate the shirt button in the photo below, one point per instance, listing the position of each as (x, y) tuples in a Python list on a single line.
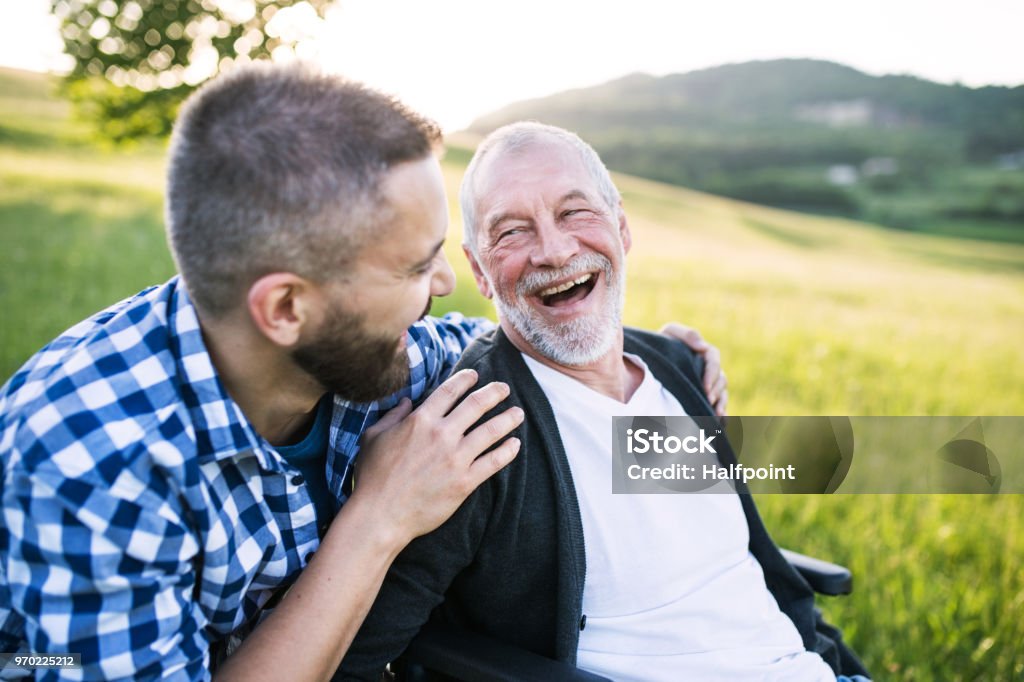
[(583, 622), (297, 479)]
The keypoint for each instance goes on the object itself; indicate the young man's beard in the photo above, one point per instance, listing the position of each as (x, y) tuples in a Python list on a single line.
[(348, 360)]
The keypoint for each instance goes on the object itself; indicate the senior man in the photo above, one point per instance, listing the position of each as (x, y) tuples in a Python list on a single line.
[(171, 465), (542, 555)]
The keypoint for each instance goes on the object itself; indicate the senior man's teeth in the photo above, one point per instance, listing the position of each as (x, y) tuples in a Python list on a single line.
[(565, 287)]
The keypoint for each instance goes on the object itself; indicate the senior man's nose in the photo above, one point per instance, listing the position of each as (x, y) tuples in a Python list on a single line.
[(554, 246)]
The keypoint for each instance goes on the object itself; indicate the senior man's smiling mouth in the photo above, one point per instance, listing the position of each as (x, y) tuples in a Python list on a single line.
[(568, 292)]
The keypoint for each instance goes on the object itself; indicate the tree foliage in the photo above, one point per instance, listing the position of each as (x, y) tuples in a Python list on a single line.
[(134, 61)]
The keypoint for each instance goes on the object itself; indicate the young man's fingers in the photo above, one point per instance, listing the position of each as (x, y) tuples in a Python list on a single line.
[(712, 369), (486, 466), (476, 405), (491, 431), (688, 335), (719, 386), (444, 397), (722, 403)]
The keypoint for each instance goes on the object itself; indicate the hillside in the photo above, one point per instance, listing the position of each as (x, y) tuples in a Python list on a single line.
[(814, 315), (812, 135)]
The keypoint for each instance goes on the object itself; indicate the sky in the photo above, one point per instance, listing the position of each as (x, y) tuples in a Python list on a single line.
[(455, 60)]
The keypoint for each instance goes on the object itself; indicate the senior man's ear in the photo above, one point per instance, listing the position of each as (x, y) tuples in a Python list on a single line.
[(478, 274), (624, 234), (281, 304)]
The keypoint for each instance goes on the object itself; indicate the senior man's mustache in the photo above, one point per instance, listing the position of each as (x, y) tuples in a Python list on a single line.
[(581, 264)]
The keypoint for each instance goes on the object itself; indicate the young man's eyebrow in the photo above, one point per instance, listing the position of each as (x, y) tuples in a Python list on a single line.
[(426, 261)]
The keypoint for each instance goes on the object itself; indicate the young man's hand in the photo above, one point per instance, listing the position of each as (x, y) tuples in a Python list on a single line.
[(424, 464), (715, 384)]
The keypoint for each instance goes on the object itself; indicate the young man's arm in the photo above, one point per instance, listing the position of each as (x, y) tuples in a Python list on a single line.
[(415, 471), (106, 569), (101, 570)]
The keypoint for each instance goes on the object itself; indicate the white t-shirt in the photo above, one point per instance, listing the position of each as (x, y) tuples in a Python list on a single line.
[(672, 591)]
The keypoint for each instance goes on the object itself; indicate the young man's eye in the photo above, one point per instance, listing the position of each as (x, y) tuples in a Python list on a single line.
[(428, 267)]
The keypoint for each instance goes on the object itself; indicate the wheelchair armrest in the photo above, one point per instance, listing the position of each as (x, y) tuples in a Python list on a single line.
[(822, 576), (466, 655)]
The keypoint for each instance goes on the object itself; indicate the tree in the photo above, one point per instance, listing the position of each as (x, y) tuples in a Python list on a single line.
[(136, 60)]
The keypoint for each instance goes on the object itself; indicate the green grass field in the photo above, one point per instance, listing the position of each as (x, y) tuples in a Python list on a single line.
[(813, 316)]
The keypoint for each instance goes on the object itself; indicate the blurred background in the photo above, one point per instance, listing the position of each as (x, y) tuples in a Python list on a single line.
[(833, 193)]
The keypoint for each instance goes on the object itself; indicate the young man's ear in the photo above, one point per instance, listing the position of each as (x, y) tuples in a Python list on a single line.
[(478, 274), (281, 305)]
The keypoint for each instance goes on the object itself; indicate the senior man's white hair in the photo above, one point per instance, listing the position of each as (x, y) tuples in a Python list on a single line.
[(517, 137)]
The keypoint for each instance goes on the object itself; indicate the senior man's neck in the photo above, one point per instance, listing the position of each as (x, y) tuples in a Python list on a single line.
[(611, 375)]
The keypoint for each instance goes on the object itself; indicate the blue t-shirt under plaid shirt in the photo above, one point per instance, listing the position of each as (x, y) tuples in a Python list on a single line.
[(127, 467)]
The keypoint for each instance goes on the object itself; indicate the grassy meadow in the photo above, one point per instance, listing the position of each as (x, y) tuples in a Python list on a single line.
[(813, 316)]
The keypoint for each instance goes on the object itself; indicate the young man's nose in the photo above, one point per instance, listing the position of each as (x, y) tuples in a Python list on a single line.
[(443, 280)]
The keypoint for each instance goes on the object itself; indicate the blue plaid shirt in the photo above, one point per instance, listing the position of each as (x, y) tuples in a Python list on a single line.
[(127, 467)]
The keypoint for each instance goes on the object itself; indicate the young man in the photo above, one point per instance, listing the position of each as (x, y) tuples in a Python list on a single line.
[(171, 465), (542, 555)]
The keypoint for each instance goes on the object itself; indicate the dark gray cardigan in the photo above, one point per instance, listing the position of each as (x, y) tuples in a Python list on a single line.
[(510, 563)]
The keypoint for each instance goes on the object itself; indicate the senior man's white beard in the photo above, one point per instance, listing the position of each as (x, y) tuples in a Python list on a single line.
[(577, 342)]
